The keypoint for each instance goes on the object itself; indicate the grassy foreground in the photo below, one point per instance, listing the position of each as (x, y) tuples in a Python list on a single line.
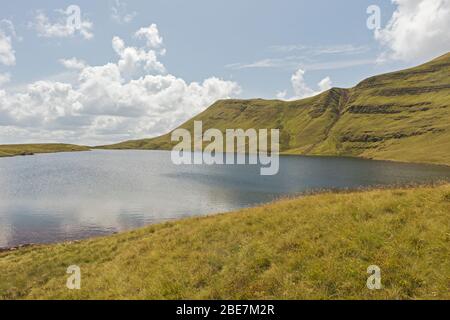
[(315, 247), (30, 149)]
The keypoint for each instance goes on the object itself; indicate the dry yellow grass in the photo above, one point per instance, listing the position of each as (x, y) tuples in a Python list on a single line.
[(315, 247)]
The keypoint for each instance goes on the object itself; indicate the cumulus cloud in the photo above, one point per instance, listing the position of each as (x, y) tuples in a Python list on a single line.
[(325, 84), (62, 27), (7, 53), (301, 89), (151, 34), (120, 14), (133, 58), (73, 63), (107, 104), (418, 29)]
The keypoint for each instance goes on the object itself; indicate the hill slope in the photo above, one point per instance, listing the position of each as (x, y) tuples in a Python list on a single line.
[(314, 247), (402, 116)]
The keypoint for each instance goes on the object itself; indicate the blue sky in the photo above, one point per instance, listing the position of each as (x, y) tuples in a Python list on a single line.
[(249, 48), (204, 37)]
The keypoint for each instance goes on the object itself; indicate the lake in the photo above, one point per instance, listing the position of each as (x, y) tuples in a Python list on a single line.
[(67, 196)]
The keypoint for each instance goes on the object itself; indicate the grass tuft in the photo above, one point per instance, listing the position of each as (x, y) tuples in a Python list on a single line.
[(313, 247)]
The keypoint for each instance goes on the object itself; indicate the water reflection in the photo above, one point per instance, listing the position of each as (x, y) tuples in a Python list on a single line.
[(54, 197)]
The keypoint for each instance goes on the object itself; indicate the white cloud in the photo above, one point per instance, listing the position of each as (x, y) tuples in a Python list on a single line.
[(120, 14), (106, 104), (281, 94), (325, 84), (7, 53), (301, 88), (73, 63), (151, 34), (132, 58), (4, 78), (299, 85), (418, 29), (60, 28)]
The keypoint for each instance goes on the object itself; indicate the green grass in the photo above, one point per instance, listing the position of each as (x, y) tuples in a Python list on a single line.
[(402, 116), (315, 247), (30, 149)]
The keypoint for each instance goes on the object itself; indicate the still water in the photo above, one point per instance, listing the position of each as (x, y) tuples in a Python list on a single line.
[(66, 196)]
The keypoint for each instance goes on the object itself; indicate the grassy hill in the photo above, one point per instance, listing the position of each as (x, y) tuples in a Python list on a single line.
[(403, 116), (313, 247), (30, 149)]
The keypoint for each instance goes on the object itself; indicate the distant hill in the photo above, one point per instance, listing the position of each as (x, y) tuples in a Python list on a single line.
[(403, 116), (12, 150)]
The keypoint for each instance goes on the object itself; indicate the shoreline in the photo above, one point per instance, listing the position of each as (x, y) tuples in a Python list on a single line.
[(93, 148), (39, 153), (24, 150), (316, 247), (306, 155), (305, 194)]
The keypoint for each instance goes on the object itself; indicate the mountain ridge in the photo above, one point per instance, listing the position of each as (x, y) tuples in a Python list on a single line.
[(392, 116)]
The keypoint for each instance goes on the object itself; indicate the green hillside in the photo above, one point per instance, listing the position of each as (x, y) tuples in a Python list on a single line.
[(30, 149), (403, 116)]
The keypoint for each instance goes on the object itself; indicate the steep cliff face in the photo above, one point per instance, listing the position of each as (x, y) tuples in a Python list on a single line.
[(401, 116)]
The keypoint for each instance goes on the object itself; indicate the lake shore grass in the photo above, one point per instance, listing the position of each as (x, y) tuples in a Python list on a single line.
[(313, 247), (13, 150)]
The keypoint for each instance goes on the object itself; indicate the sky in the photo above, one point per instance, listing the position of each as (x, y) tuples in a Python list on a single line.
[(98, 72)]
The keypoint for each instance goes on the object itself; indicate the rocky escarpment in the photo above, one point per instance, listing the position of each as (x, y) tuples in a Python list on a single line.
[(403, 115)]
